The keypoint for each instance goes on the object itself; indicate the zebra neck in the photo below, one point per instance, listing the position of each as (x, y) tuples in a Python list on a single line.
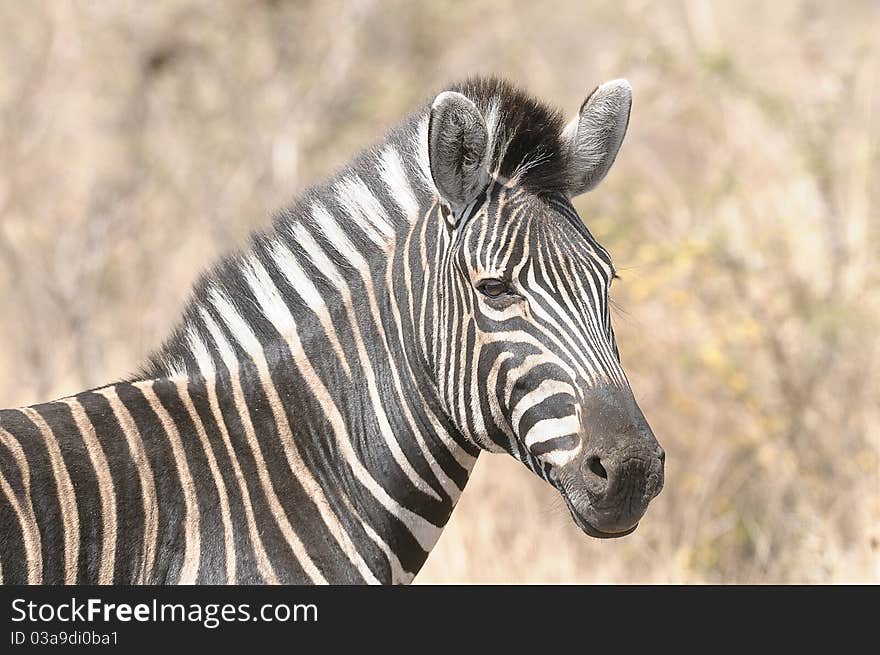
[(316, 336)]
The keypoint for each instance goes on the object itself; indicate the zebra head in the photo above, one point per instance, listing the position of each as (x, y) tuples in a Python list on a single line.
[(524, 353)]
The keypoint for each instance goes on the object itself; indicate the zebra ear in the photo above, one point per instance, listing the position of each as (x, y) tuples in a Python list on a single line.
[(457, 148), (594, 136)]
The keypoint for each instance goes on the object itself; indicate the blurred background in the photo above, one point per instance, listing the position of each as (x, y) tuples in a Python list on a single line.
[(140, 140)]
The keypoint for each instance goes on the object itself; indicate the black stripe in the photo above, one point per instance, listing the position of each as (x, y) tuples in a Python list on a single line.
[(171, 535), (212, 556), (245, 556), (13, 554), (44, 493), (568, 442), (85, 484), (126, 487)]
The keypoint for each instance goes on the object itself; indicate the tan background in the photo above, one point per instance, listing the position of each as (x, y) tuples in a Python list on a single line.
[(139, 140)]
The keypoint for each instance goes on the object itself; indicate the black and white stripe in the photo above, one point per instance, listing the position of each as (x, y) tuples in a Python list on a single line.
[(316, 414)]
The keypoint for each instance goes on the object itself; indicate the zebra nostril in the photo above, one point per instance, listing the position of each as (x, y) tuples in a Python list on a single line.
[(595, 465), (595, 476)]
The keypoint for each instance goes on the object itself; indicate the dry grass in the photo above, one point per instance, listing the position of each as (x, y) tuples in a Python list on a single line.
[(138, 141)]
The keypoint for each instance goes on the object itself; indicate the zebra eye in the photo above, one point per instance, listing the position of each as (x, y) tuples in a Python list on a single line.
[(493, 288)]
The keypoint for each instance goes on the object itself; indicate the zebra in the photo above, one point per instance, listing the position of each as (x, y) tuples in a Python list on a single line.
[(317, 411)]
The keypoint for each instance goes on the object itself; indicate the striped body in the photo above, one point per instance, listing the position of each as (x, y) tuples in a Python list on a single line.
[(316, 414)]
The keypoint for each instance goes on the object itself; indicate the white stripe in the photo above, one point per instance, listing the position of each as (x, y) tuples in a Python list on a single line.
[(241, 331), (318, 256), (227, 354), (363, 208), (561, 457), (200, 351), (551, 428), (305, 288), (270, 300), (395, 178), (547, 388), (335, 236)]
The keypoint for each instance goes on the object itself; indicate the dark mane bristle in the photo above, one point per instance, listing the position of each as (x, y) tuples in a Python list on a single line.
[(526, 136)]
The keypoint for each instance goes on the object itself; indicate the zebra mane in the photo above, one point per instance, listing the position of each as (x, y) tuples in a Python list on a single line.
[(524, 134), (525, 148)]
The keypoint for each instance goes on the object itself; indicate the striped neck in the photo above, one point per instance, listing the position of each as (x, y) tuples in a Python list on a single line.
[(320, 327)]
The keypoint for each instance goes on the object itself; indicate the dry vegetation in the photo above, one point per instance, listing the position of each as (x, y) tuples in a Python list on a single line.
[(137, 141)]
